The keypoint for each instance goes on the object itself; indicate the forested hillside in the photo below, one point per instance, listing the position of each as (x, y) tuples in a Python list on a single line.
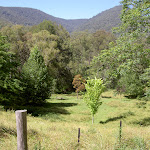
[(28, 16), (4, 22), (105, 20)]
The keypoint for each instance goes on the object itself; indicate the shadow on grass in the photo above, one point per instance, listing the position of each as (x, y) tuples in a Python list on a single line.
[(106, 97), (124, 115), (4, 130), (112, 119), (131, 96), (143, 122), (47, 108)]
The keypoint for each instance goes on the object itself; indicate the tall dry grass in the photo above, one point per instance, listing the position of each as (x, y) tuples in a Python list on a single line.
[(59, 131)]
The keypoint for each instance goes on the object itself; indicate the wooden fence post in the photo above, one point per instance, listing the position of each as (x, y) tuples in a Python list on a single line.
[(21, 122), (78, 135), (120, 131)]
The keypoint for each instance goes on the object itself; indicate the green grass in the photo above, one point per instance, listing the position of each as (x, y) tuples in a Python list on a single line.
[(54, 126)]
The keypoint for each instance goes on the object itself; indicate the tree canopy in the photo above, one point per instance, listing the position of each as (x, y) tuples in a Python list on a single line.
[(123, 64), (10, 89), (36, 78)]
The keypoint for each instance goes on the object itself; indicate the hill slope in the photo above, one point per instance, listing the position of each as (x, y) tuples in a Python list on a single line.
[(104, 20), (28, 16)]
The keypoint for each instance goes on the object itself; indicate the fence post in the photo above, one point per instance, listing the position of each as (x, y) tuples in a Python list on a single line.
[(120, 131), (78, 135), (21, 122)]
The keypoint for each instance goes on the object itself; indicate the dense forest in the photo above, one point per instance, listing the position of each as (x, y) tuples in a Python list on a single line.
[(38, 60), (29, 17)]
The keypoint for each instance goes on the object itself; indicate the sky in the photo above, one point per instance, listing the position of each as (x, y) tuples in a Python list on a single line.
[(67, 9)]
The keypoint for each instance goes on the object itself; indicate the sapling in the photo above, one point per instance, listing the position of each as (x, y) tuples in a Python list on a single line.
[(94, 89)]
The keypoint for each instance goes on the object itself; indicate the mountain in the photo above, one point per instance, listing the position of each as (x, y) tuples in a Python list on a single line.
[(103, 21), (4, 22), (29, 16)]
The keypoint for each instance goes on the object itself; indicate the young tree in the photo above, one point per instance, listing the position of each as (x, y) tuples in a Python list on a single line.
[(94, 89), (78, 83), (35, 75)]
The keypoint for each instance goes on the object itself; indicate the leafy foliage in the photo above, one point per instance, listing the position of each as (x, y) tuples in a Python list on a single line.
[(85, 46), (18, 37), (35, 75), (145, 77), (45, 25), (122, 65), (10, 85), (78, 83), (52, 41), (94, 89)]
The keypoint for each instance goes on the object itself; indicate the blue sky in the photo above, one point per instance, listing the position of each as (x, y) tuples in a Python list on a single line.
[(67, 9)]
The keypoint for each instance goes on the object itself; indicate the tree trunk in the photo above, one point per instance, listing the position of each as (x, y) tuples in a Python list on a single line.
[(77, 95), (92, 119)]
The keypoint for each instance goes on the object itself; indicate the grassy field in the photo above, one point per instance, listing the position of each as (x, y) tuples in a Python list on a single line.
[(54, 126)]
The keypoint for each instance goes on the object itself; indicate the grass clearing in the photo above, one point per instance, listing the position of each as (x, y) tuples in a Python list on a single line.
[(54, 126)]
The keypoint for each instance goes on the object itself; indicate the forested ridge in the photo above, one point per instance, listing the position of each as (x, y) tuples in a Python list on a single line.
[(105, 20), (29, 17), (38, 60)]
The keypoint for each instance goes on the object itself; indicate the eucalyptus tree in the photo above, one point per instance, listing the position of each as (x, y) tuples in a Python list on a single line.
[(126, 60)]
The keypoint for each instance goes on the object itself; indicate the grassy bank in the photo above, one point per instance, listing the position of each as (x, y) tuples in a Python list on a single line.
[(55, 125)]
